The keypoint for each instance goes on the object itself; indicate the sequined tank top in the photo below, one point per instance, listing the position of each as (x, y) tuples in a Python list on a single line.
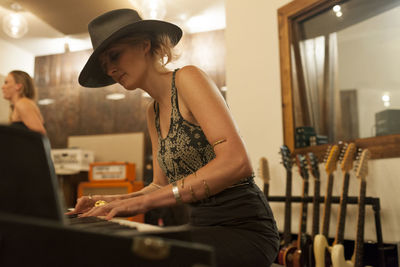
[(185, 149)]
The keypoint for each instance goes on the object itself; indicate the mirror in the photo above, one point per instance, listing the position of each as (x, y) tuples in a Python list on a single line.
[(339, 64)]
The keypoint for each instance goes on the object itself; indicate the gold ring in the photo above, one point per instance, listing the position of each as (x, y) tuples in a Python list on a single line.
[(100, 203)]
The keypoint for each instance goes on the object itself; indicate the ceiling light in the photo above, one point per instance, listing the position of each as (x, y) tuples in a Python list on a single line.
[(336, 8), (115, 96), (339, 14), (150, 9), (45, 101), (14, 23), (385, 97)]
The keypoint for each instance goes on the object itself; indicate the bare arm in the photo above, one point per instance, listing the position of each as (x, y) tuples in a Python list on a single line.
[(203, 100)]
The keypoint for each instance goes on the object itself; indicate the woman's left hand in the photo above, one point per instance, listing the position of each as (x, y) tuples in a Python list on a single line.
[(124, 208)]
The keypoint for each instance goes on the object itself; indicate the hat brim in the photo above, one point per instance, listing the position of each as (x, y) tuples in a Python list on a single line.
[(92, 74)]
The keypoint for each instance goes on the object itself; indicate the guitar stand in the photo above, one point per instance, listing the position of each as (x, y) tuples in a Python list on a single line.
[(373, 201)]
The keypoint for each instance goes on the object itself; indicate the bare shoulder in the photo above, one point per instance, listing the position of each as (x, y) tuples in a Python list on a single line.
[(191, 81), (190, 72), (25, 104)]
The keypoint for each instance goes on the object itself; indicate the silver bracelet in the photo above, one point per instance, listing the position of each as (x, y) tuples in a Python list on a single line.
[(177, 195)]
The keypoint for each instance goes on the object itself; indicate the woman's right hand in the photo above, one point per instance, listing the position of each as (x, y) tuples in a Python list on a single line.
[(85, 203)]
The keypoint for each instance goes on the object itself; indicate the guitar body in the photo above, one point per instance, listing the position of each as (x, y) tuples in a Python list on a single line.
[(338, 259), (286, 242), (301, 256), (283, 252), (321, 251), (288, 256)]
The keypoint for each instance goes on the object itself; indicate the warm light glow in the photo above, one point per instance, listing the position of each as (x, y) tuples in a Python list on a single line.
[(150, 9), (145, 95), (15, 25), (385, 97), (336, 8), (207, 22), (339, 14), (115, 96), (45, 101)]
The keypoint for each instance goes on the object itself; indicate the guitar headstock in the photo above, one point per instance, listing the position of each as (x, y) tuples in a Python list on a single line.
[(362, 164), (333, 157), (348, 158), (302, 164), (264, 170), (313, 163), (286, 158)]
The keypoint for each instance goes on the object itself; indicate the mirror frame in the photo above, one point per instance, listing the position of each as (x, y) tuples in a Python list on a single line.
[(387, 146)]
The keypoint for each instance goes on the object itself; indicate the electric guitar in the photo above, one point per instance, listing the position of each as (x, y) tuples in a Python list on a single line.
[(338, 259), (286, 239), (314, 170), (313, 165), (264, 173), (321, 240), (346, 166), (297, 256)]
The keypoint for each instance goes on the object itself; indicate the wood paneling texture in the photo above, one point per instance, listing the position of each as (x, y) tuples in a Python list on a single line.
[(85, 111)]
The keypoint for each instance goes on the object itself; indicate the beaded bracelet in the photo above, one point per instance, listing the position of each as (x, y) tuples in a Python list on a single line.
[(177, 195)]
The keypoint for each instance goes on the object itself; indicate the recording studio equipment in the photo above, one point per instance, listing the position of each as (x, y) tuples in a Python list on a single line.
[(387, 122)]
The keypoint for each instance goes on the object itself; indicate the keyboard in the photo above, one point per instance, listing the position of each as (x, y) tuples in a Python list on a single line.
[(117, 226)]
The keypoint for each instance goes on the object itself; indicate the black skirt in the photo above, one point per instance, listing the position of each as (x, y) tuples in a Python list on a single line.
[(239, 224)]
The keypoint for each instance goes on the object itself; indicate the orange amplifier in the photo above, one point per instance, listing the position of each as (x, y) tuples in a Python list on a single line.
[(112, 171), (111, 188)]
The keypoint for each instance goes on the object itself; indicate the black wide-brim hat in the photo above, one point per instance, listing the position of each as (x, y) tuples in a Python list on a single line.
[(111, 26)]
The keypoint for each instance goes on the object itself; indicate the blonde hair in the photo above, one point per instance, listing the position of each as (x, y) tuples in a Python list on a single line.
[(161, 48), (28, 89)]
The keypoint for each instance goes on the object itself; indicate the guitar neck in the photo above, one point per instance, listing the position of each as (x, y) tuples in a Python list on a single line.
[(315, 222), (266, 190), (303, 215), (359, 244), (288, 209), (339, 238), (327, 206)]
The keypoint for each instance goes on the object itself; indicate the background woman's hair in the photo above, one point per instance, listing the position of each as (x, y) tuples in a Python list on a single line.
[(28, 88), (162, 48)]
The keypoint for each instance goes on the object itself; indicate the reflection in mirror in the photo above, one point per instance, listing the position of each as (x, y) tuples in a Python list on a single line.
[(345, 64)]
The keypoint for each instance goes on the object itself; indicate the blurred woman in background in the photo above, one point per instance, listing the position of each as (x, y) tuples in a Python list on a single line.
[(19, 90)]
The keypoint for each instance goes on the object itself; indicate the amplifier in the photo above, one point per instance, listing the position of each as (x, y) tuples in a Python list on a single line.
[(387, 122), (111, 188), (71, 160), (112, 171)]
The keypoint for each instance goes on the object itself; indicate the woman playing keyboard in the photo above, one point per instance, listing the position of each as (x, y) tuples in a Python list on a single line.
[(199, 157)]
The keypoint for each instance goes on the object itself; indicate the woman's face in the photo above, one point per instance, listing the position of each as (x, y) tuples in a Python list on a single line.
[(10, 87), (126, 64)]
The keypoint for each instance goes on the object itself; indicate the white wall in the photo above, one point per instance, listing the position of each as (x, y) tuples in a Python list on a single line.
[(254, 96), (12, 58)]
